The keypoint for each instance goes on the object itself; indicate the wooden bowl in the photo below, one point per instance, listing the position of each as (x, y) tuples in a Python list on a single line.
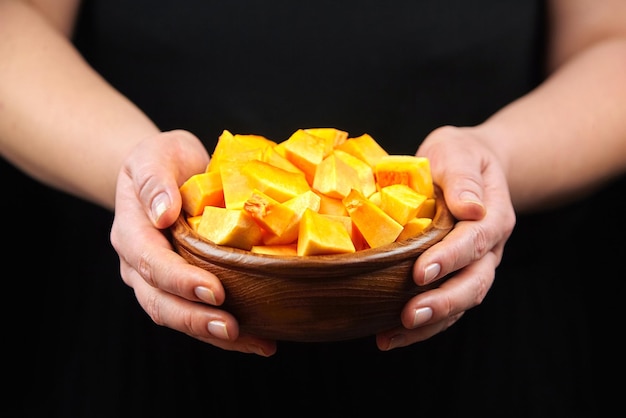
[(315, 298)]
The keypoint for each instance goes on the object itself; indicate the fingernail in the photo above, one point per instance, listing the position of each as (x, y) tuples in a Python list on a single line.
[(431, 272), (205, 295), (256, 349), (421, 316), (218, 329), (160, 205), (396, 341), (467, 196)]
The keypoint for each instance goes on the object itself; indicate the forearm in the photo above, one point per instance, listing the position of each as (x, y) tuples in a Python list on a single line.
[(60, 122), (569, 134)]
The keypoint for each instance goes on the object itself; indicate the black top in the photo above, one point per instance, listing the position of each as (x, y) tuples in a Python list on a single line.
[(395, 70)]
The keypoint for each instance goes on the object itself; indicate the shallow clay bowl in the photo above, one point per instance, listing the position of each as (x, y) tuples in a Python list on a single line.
[(315, 298)]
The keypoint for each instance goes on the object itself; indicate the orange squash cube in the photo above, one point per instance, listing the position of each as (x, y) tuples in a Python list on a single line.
[(238, 147), (375, 225), (365, 148), (334, 136), (280, 250), (414, 227), (401, 202), (305, 151), (335, 178), (330, 205), (353, 231), (236, 185), (273, 157), (365, 173), (275, 182), (428, 209), (405, 169), (271, 215), (194, 221), (319, 235), (201, 190), (298, 204), (229, 227)]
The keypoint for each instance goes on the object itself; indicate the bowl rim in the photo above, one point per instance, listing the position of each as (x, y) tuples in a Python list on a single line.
[(183, 236)]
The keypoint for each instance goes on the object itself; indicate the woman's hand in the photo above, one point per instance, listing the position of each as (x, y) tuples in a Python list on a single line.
[(476, 192), (171, 291)]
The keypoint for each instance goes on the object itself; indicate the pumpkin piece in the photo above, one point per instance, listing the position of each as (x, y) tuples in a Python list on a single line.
[(298, 204), (277, 183), (193, 221), (365, 148), (280, 250), (401, 202), (335, 178), (305, 151), (365, 173), (375, 225), (353, 231), (330, 205), (375, 198), (238, 147), (319, 235), (229, 227), (414, 227), (273, 157), (236, 185), (405, 169), (219, 150), (280, 149), (427, 210), (201, 190), (270, 214), (250, 141), (334, 136)]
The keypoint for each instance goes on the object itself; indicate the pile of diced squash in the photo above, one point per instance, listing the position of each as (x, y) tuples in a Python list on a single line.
[(317, 192)]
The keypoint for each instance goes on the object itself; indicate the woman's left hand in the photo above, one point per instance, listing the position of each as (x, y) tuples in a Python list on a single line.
[(476, 192)]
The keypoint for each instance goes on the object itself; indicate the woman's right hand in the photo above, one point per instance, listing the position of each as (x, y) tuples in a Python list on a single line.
[(173, 292)]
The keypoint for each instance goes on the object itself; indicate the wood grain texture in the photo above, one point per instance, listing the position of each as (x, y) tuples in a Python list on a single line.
[(315, 298)]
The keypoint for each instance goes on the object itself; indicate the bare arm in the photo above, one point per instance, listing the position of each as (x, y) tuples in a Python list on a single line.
[(59, 120), (568, 135)]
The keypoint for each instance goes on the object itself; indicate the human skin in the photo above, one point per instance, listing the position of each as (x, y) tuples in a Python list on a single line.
[(513, 162)]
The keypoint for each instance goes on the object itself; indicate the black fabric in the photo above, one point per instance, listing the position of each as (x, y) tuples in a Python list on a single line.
[(78, 343)]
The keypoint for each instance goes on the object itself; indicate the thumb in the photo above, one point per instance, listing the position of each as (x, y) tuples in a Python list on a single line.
[(459, 167), (158, 166)]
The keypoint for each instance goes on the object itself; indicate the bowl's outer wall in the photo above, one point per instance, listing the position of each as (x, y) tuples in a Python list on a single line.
[(314, 298)]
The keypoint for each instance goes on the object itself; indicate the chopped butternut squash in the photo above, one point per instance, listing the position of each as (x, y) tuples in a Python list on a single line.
[(276, 182), (320, 235), (317, 192), (287, 249), (335, 178), (298, 204), (401, 202), (305, 151), (365, 148), (377, 227), (229, 227), (200, 190), (333, 135), (414, 227), (271, 215), (405, 169)]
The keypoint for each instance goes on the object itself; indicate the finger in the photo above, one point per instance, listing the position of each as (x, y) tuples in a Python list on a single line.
[(458, 168), (468, 241), (434, 311), (199, 321), (146, 250), (159, 166)]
